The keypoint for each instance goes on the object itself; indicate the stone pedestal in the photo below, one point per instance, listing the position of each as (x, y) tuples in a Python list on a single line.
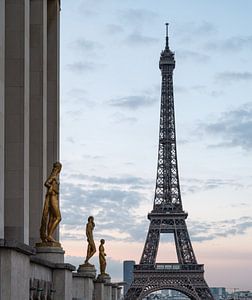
[(87, 270), (99, 289), (63, 280), (119, 292), (50, 253), (108, 291), (115, 292), (83, 285)]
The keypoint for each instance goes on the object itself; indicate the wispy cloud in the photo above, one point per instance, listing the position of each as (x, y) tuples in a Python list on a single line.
[(231, 44), (233, 127), (81, 67), (137, 16), (85, 45), (189, 31), (108, 205), (193, 185), (203, 231), (133, 102), (114, 29), (192, 55), (230, 77), (138, 39)]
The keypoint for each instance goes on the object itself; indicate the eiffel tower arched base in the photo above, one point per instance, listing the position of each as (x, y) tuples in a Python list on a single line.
[(187, 279)]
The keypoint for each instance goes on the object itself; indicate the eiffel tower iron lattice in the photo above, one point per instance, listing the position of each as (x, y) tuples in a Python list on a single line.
[(168, 216)]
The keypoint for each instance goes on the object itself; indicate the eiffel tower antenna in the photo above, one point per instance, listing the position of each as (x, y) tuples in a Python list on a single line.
[(167, 215), (167, 36)]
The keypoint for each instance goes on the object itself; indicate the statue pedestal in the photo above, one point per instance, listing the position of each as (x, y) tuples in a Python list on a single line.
[(50, 251), (104, 278), (83, 282), (87, 270)]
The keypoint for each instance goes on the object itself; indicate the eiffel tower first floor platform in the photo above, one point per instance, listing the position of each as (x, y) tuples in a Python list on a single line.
[(185, 278)]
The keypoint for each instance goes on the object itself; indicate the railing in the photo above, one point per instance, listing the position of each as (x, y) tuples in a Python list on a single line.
[(170, 267)]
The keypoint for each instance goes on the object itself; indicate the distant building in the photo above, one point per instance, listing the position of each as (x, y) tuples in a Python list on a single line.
[(219, 293), (128, 267)]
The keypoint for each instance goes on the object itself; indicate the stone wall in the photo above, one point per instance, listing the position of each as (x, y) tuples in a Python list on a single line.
[(25, 275)]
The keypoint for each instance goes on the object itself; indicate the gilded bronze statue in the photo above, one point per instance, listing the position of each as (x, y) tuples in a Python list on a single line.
[(91, 249), (102, 258), (51, 213)]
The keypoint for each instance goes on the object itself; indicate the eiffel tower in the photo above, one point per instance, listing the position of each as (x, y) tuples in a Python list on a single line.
[(168, 216)]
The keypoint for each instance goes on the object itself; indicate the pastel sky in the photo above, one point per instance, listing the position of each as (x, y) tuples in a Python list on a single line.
[(110, 101)]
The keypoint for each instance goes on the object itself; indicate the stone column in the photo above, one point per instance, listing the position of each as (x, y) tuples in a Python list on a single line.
[(52, 109), (44, 108), (2, 92), (53, 20), (38, 114), (16, 114)]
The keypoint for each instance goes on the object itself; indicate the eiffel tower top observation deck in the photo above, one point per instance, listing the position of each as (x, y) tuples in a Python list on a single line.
[(167, 192)]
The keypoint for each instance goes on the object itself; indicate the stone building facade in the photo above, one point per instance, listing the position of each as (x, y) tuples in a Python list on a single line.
[(29, 145)]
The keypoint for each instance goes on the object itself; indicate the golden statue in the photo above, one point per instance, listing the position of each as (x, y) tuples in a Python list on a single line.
[(102, 258), (51, 213), (91, 249)]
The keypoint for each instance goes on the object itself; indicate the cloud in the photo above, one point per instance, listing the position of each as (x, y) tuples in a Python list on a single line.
[(232, 44), (128, 180), (116, 204), (204, 231), (192, 55), (133, 102), (85, 45), (194, 185), (114, 29), (190, 31), (137, 16), (78, 96), (121, 118), (81, 67), (138, 39), (113, 201), (233, 127), (229, 77)]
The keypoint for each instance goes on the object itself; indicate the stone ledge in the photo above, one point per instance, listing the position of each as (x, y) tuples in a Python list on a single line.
[(17, 246), (83, 275), (51, 265), (65, 266)]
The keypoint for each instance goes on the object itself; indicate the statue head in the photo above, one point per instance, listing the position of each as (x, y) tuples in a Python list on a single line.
[(57, 166), (102, 241), (90, 219)]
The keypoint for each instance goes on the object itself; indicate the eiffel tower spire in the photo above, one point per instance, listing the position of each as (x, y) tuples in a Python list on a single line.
[(167, 215)]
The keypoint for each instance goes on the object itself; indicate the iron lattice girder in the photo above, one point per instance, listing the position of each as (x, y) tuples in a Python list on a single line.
[(189, 282), (168, 223), (167, 192)]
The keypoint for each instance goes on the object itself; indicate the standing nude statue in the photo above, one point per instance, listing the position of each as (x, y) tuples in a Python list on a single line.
[(51, 213), (91, 249), (102, 258)]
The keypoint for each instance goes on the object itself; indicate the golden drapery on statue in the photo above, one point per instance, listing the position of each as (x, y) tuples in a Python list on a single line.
[(91, 249), (51, 213)]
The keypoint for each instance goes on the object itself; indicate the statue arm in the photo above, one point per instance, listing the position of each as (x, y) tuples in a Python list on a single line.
[(49, 181)]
